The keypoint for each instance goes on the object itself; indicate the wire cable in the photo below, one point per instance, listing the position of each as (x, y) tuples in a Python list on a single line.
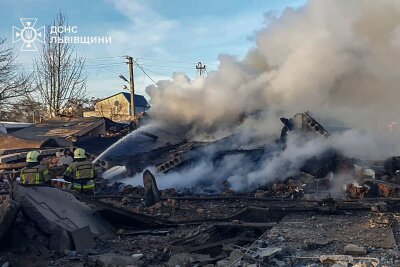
[(137, 64)]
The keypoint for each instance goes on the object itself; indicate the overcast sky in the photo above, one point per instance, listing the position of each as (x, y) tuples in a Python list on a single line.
[(164, 36)]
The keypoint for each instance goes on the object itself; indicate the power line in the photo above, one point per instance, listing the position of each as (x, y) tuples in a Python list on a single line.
[(168, 66), (144, 76), (100, 68), (105, 64), (156, 72), (104, 58), (141, 58), (174, 61), (137, 64)]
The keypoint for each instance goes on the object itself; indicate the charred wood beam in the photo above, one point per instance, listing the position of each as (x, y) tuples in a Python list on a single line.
[(365, 200), (301, 209), (22, 155), (149, 220), (208, 198), (246, 225), (213, 244), (145, 232), (12, 166)]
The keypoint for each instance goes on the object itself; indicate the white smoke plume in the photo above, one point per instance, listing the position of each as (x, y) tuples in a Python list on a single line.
[(243, 171), (337, 59)]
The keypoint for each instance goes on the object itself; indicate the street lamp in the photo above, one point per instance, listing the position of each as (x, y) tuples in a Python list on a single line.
[(123, 78), (131, 85)]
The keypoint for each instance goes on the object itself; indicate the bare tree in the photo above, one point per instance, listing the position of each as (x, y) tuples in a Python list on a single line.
[(26, 109), (76, 107), (113, 110), (13, 82), (59, 72)]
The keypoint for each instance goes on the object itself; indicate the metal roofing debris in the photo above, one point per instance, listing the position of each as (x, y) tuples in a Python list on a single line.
[(140, 141), (13, 142), (61, 128), (95, 145)]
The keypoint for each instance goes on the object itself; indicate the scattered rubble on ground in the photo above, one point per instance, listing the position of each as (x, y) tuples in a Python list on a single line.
[(292, 221)]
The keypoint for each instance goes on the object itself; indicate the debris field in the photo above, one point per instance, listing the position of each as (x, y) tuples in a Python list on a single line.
[(309, 218)]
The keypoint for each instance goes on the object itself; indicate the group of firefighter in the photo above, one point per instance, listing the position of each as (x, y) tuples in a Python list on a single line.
[(81, 173)]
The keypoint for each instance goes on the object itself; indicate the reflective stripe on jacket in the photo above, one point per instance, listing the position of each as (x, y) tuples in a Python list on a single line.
[(90, 185), (82, 170), (35, 175)]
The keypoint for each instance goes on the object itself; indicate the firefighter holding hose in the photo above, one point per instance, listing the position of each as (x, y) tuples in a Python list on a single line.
[(81, 173)]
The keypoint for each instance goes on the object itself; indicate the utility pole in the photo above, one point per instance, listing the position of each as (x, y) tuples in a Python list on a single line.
[(132, 86), (201, 69)]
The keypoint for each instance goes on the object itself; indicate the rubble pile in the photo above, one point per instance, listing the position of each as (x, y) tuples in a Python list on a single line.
[(312, 217)]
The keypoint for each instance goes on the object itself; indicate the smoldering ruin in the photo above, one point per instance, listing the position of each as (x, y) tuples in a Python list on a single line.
[(289, 157)]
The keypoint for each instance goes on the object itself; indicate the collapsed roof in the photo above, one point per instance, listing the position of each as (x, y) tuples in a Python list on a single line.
[(12, 142), (62, 128)]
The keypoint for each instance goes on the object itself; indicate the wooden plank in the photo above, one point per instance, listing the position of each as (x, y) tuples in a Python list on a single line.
[(19, 156), (10, 166)]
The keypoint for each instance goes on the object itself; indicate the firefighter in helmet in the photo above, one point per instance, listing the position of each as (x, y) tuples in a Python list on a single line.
[(81, 173), (34, 173)]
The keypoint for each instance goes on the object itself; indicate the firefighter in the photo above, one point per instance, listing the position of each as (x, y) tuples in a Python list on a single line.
[(34, 172), (81, 173)]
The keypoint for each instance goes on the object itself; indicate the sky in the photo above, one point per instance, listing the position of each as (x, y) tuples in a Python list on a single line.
[(163, 36)]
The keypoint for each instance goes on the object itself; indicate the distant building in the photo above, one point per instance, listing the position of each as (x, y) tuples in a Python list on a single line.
[(118, 107)]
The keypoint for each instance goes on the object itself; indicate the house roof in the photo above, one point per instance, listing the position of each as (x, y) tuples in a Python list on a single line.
[(140, 101)]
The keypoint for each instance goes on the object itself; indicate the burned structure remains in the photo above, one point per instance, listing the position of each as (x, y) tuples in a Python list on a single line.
[(306, 214)]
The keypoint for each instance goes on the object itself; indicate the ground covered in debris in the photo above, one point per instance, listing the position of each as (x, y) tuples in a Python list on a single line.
[(265, 233), (316, 216)]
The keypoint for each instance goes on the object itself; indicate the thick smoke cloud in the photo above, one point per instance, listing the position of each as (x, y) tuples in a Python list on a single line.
[(337, 59)]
